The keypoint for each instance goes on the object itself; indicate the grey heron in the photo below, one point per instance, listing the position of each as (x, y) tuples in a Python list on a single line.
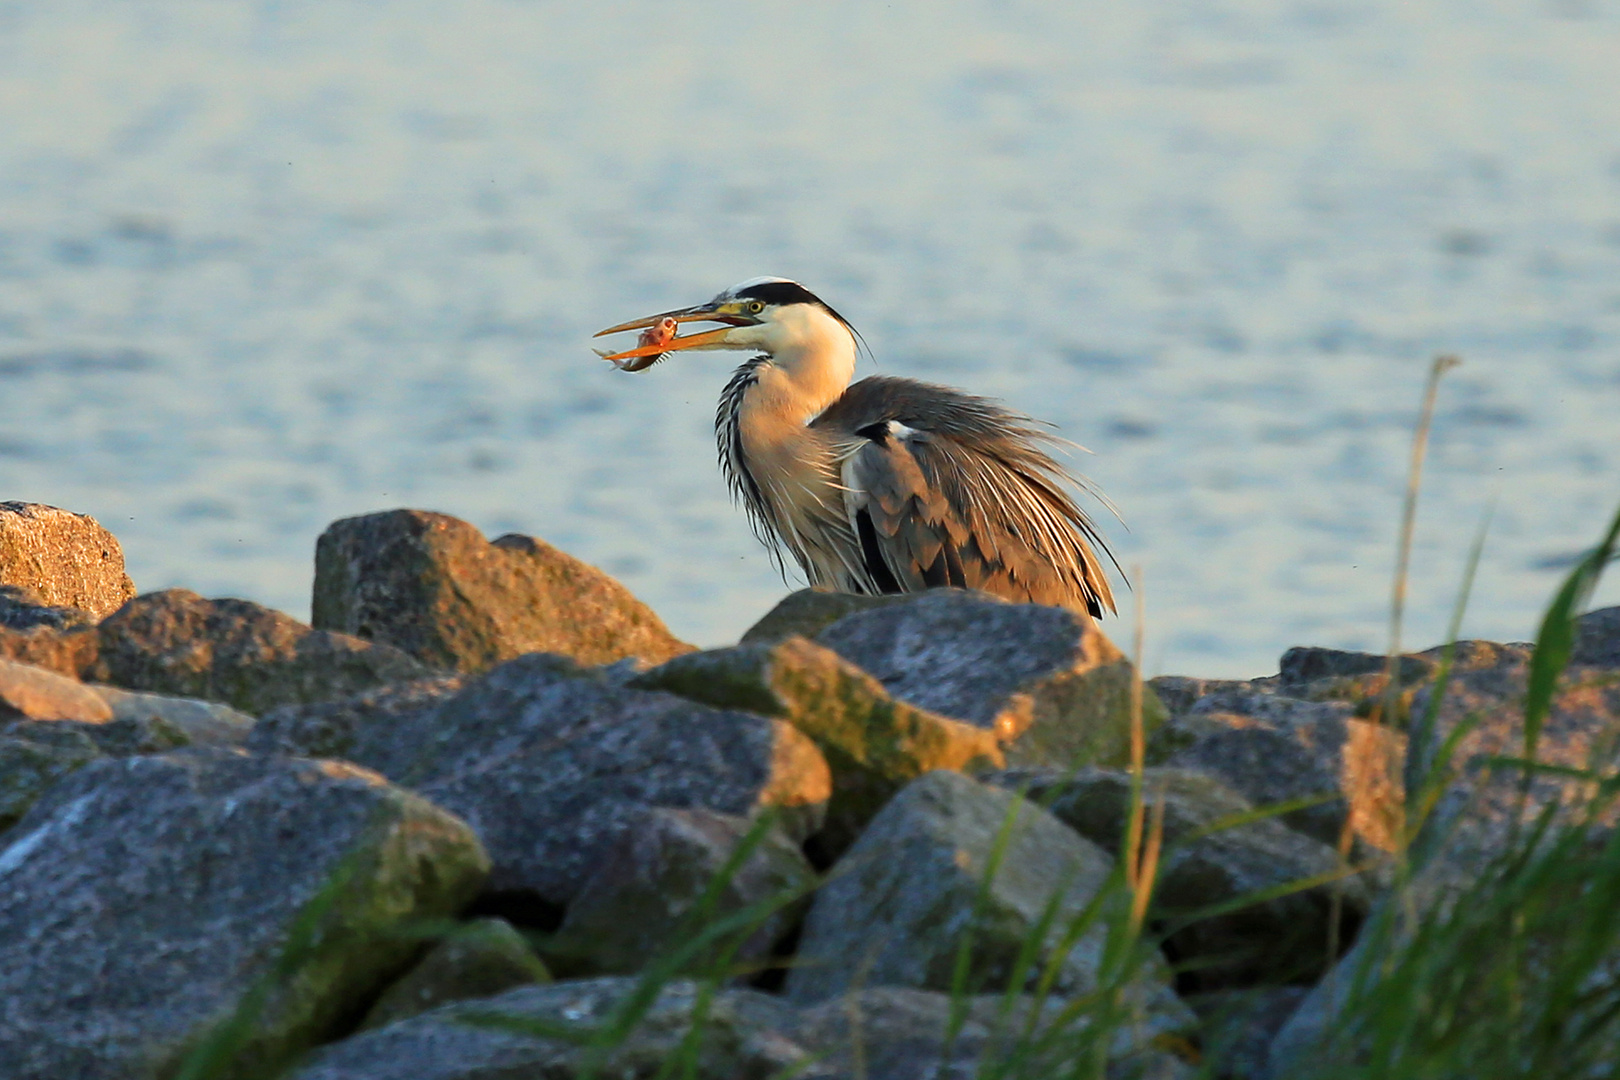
[(888, 485)]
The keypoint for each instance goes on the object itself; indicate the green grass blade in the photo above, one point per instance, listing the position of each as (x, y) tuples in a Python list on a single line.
[(1556, 640)]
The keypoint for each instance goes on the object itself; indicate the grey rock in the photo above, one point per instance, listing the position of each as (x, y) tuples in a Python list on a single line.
[(1478, 806), (896, 1033), (482, 958), (873, 1034), (643, 900), (808, 612), (137, 724), (1285, 939), (23, 608), (1206, 863), (1597, 639), (30, 765), (71, 652), (113, 738), (31, 693), (67, 560), (742, 1039), (1308, 664), (59, 639), (141, 898), (1179, 693), (899, 902), (1096, 802), (1308, 673), (202, 723), (550, 765), (431, 585), (360, 728), (1274, 749), (550, 762), (1294, 1049), (873, 743), (1239, 1026), (1045, 679), (249, 656), (1475, 815)]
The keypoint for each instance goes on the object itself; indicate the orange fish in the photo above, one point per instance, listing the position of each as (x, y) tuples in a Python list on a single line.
[(659, 333)]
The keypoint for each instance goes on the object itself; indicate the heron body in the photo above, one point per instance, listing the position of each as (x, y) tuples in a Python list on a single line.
[(888, 485)]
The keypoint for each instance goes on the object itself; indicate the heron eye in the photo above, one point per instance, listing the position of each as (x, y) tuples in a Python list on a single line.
[(755, 307)]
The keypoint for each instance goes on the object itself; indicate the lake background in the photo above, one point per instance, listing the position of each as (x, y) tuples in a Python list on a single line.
[(264, 265)]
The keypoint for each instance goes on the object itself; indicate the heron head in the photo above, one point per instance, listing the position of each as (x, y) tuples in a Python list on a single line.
[(768, 314)]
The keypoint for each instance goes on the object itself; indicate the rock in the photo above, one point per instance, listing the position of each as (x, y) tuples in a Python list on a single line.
[(127, 723), (113, 738), (894, 1033), (550, 765), (741, 1039), (66, 559), (30, 693), (550, 762), (30, 765), (23, 608), (202, 723), (235, 651), (873, 743), (1273, 749), (1179, 693), (431, 585), (59, 639), (1597, 639), (1359, 679), (873, 1034), (1295, 1048), (1238, 1026), (1283, 939), (141, 898), (66, 652), (1043, 678), (482, 958), (360, 728), (808, 612), (51, 726), (900, 900), (1303, 664), (1481, 803), (1478, 805), (643, 899), (1096, 802)]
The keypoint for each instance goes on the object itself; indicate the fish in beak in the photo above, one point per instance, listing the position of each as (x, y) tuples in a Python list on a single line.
[(660, 334)]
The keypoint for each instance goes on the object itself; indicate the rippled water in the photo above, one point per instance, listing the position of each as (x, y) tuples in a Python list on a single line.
[(263, 265)]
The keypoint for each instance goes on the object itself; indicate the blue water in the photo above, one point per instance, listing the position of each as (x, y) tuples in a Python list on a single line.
[(264, 265)]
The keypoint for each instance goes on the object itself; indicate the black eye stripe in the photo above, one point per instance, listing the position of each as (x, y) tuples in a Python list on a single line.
[(782, 293), (779, 292)]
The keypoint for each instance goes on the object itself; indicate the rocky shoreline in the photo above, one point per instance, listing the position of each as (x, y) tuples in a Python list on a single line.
[(488, 791)]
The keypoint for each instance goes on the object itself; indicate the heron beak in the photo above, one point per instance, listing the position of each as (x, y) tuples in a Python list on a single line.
[(701, 313)]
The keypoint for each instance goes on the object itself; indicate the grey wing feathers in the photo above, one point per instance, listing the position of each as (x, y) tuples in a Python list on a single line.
[(956, 490)]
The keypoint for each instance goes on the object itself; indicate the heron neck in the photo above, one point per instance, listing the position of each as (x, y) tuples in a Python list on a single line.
[(799, 382), (777, 448)]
